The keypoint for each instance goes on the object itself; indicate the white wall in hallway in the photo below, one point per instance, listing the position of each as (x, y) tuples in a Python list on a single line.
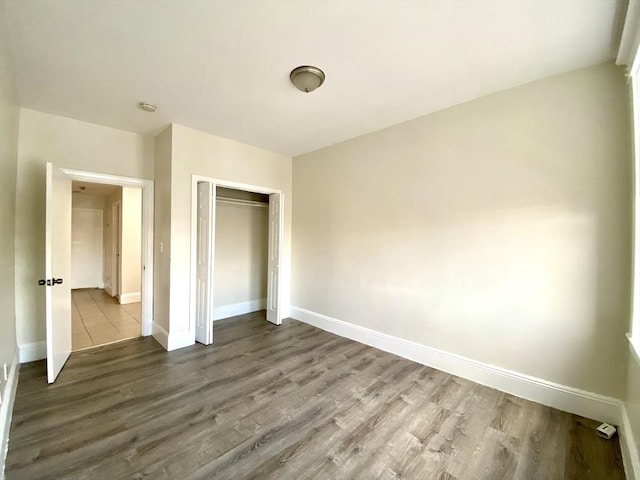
[(131, 245)]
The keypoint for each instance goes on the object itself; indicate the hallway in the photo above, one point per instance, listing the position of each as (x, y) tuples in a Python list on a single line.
[(97, 319)]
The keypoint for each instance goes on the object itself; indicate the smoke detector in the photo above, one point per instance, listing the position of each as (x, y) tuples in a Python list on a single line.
[(147, 107)]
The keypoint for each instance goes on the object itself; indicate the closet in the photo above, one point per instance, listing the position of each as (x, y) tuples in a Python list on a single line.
[(241, 252)]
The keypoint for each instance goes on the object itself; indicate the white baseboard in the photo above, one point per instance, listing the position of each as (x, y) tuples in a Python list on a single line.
[(31, 352), (628, 447), (6, 410), (568, 399), (180, 340), (227, 311), (160, 334), (130, 298), (172, 341), (109, 289)]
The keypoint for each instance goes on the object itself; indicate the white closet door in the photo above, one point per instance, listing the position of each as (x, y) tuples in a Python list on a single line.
[(204, 273), (275, 237)]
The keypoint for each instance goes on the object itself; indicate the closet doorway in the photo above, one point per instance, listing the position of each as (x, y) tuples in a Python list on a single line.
[(236, 250)]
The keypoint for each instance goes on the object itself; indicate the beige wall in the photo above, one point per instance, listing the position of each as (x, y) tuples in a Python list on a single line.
[(9, 119), (498, 229), (195, 152), (162, 229), (131, 257), (66, 143), (241, 254)]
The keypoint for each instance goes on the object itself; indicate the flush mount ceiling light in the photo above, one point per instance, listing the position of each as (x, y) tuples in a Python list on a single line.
[(147, 107), (307, 78)]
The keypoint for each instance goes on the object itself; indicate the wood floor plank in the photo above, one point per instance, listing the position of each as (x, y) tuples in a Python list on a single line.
[(287, 402)]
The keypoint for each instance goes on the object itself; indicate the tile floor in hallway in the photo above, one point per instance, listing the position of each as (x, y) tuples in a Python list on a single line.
[(98, 318)]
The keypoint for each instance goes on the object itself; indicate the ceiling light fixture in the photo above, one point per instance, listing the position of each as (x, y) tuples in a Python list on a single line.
[(307, 78), (147, 107)]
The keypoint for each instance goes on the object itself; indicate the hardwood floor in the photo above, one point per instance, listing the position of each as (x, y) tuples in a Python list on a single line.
[(288, 402)]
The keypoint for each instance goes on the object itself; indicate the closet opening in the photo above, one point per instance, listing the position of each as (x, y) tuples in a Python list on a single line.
[(236, 245)]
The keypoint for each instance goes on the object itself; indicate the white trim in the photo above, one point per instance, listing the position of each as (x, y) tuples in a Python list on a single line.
[(6, 410), (108, 289), (180, 340), (629, 40), (133, 297), (235, 309), (174, 340), (562, 397), (161, 335), (116, 247), (30, 352), (147, 187), (634, 346), (628, 447), (194, 237)]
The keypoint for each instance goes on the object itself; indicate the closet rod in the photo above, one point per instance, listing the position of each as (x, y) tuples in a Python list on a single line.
[(238, 201)]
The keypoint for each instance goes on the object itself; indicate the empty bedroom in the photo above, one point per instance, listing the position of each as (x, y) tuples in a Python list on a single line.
[(320, 239)]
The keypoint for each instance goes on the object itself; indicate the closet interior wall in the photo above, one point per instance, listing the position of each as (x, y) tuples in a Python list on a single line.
[(241, 246)]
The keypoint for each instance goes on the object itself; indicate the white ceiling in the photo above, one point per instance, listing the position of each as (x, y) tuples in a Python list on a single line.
[(222, 67)]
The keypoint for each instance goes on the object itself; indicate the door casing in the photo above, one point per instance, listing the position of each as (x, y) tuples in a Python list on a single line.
[(146, 266), (216, 182)]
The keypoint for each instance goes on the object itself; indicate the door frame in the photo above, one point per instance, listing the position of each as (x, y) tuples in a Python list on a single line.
[(218, 182), (116, 245), (146, 265)]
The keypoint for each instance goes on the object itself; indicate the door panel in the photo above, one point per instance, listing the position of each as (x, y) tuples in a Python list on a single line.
[(275, 237), (204, 267), (57, 267)]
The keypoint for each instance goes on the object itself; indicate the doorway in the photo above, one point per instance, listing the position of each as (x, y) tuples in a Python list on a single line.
[(106, 269), (252, 251), (57, 281)]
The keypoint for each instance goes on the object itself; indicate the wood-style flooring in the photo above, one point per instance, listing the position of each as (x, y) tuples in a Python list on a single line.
[(288, 402)]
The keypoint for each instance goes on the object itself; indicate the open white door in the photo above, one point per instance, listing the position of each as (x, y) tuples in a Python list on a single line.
[(275, 237), (57, 270), (204, 267)]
